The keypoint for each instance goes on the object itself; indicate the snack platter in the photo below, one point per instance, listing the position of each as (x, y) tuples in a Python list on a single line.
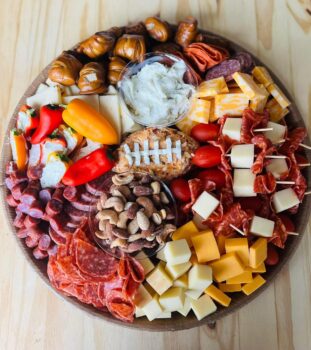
[(228, 85)]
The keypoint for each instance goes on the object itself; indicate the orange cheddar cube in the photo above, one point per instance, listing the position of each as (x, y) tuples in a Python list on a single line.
[(230, 288), (240, 247), (232, 105), (258, 103), (199, 111), (276, 112), (262, 75), (228, 266), (218, 295), (187, 231), (278, 94), (205, 246), (259, 269), (250, 288), (194, 259), (212, 88), (247, 84), (244, 277), (221, 243), (258, 252)]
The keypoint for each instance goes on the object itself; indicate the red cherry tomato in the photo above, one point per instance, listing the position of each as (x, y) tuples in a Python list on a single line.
[(301, 159), (207, 156), (180, 189), (252, 203), (214, 175), (290, 227), (205, 132), (272, 255)]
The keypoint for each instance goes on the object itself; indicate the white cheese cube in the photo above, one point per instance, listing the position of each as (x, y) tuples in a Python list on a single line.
[(128, 124), (277, 134), (186, 307), (203, 306), (145, 262), (205, 205), (153, 309), (159, 280), (142, 297), (200, 277), (277, 167), (176, 271), (92, 100), (165, 314), (139, 312), (51, 95), (173, 299), (232, 128), (181, 281), (243, 183), (242, 156), (177, 252), (284, 199), (193, 294), (160, 255), (262, 227), (109, 108), (41, 88)]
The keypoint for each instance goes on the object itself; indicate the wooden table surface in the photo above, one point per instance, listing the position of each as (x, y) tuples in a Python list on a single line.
[(32, 33)]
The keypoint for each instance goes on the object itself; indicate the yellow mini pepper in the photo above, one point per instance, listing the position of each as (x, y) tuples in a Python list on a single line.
[(89, 123)]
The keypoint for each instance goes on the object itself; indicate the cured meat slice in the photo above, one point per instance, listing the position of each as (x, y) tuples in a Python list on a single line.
[(120, 306), (40, 254), (53, 207), (17, 190), (71, 193), (58, 239), (31, 222), (280, 234), (22, 233), (44, 242), (59, 224), (99, 185), (31, 193), (11, 201), (58, 194), (19, 220), (45, 195), (294, 138), (265, 184), (35, 172), (196, 188), (9, 183), (225, 69), (88, 197), (75, 214), (10, 168), (84, 206), (35, 210)]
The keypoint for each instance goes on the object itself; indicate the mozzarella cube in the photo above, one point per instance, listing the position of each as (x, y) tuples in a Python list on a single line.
[(173, 299), (176, 271), (242, 156), (139, 312), (243, 183), (165, 314), (186, 307), (51, 95), (277, 134), (284, 199), (181, 281), (177, 252), (200, 277), (142, 297), (232, 128), (153, 309), (262, 227), (205, 205), (203, 306), (109, 107), (92, 100), (145, 262), (160, 255), (159, 280), (193, 293), (277, 167)]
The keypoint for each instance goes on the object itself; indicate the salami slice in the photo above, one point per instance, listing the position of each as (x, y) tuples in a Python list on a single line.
[(19, 220), (120, 306), (135, 269), (40, 254), (225, 69)]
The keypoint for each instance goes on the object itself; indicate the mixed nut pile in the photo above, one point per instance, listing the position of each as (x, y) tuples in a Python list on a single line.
[(134, 215)]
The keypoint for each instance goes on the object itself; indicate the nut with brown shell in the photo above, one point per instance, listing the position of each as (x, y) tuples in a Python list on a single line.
[(158, 29), (186, 31), (65, 69), (115, 68), (98, 44), (92, 79), (131, 47)]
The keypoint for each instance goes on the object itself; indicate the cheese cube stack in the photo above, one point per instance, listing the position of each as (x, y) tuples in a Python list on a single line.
[(230, 288), (176, 271), (232, 128), (277, 134), (177, 252), (186, 231), (205, 246), (181, 281), (258, 252), (186, 307), (159, 280), (277, 167), (242, 156), (276, 112), (284, 199), (262, 75), (200, 277), (142, 297), (173, 299), (229, 265), (243, 183), (203, 307), (205, 205), (92, 100), (186, 124), (262, 227), (218, 295), (199, 111), (153, 309), (238, 246), (247, 84), (244, 277), (276, 92), (193, 294), (145, 262), (230, 104), (211, 88), (250, 288)]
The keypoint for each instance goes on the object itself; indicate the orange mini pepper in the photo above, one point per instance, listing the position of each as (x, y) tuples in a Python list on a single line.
[(88, 122), (19, 148)]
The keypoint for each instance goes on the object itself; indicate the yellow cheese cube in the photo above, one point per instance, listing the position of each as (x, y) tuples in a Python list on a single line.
[(212, 116), (221, 243), (159, 280), (153, 309), (244, 277), (203, 307), (145, 262), (149, 289), (142, 297), (275, 110), (139, 312), (186, 124), (205, 246), (160, 255), (177, 252), (248, 86), (218, 295), (257, 282), (193, 293), (235, 90), (182, 281), (240, 247), (228, 266), (165, 314), (176, 271), (199, 111), (173, 299), (276, 92), (258, 252), (212, 88), (262, 75), (230, 104), (259, 269), (258, 103), (186, 231), (186, 307), (229, 288), (200, 277)]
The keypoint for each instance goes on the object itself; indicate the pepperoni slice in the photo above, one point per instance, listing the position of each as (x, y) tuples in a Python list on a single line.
[(135, 269), (120, 306)]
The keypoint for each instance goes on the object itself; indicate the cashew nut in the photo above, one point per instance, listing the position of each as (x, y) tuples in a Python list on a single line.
[(157, 218), (135, 237), (142, 220), (156, 186), (147, 204), (116, 193), (163, 214), (101, 234), (122, 220), (167, 230), (122, 179), (110, 215), (164, 198), (128, 205), (114, 202), (133, 226), (118, 242)]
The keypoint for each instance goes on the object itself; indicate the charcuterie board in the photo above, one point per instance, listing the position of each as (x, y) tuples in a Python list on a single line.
[(178, 321)]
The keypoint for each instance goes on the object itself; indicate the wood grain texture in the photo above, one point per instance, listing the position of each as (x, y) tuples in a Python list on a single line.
[(33, 32)]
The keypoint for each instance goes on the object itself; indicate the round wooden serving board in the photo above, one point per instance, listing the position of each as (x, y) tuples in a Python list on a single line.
[(178, 322)]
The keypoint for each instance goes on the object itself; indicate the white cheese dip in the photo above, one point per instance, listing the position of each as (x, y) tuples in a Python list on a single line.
[(157, 94)]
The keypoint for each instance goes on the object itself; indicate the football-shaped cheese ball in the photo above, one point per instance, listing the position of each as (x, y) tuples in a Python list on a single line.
[(165, 153)]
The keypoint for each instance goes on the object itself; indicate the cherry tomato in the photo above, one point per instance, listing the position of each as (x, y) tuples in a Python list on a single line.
[(252, 203), (272, 255), (180, 189), (290, 227), (205, 132), (214, 175), (301, 159), (207, 156)]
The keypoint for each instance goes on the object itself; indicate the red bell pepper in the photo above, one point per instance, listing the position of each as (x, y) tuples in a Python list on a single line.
[(27, 119), (89, 167), (50, 119)]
